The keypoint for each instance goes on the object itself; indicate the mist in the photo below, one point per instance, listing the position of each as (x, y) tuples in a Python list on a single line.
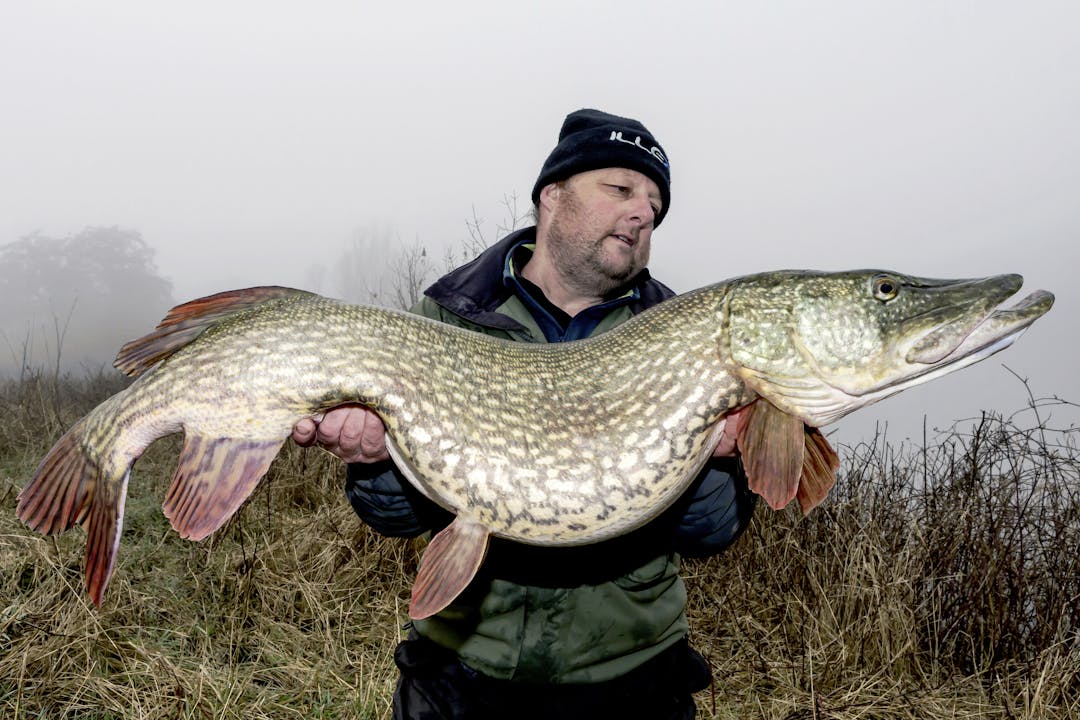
[(263, 144)]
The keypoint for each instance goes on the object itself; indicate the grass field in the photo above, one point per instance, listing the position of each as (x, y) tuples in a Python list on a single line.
[(942, 583)]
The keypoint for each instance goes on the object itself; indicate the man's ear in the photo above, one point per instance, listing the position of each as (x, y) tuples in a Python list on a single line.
[(549, 195)]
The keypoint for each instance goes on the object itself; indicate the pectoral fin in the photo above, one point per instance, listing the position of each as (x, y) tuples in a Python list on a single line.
[(785, 458), (449, 564), (213, 479), (820, 464), (771, 444)]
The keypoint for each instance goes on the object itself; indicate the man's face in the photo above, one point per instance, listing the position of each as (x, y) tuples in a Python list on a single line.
[(601, 227)]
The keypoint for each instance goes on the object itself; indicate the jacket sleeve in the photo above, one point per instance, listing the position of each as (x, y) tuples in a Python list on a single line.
[(386, 501), (719, 510)]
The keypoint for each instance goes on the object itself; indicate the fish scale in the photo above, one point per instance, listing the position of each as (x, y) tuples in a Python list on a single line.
[(559, 444)]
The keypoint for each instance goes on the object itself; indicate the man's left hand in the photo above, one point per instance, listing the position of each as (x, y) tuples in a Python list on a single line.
[(727, 445)]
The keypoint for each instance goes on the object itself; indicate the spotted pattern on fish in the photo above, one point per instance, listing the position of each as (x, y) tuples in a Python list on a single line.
[(558, 444)]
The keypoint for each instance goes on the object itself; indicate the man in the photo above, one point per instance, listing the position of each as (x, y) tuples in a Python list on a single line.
[(589, 632)]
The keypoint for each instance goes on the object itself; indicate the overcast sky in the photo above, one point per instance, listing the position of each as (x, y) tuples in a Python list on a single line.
[(248, 142)]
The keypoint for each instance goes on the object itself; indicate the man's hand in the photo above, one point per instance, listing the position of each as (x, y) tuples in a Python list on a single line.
[(726, 447), (352, 432)]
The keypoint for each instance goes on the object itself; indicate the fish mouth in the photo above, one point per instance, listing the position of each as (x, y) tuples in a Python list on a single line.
[(981, 325), (975, 335)]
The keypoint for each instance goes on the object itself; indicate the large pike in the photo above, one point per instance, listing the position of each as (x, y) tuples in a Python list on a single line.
[(559, 444)]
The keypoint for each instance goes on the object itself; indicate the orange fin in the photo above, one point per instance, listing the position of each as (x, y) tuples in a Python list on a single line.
[(213, 479), (103, 524), (771, 444), (449, 564), (186, 322), (819, 470), (68, 488), (57, 495)]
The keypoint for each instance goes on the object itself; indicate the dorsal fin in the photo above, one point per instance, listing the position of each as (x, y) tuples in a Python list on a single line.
[(186, 322)]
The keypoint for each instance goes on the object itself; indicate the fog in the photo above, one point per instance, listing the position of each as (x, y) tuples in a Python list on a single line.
[(254, 143)]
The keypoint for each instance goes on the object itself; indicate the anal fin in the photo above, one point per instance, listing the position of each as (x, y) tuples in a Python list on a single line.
[(213, 479), (449, 564)]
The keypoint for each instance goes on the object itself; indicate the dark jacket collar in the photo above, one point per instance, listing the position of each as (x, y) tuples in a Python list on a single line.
[(476, 289)]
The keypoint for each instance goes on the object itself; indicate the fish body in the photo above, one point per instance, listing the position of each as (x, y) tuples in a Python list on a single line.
[(559, 444)]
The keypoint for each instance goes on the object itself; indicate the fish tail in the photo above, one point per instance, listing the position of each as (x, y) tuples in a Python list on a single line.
[(73, 486), (80, 482)]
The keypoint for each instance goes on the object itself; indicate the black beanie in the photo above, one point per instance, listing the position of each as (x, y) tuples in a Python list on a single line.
[(591, 140)]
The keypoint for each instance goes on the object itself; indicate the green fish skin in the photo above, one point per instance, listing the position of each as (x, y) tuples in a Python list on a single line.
[(560, 444)]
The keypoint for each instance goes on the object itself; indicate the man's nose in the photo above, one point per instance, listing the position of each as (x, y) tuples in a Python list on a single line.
[(642, 210)]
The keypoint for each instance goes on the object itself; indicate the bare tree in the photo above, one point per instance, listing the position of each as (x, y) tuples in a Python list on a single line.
[(410, 272), (479, 238), (377, 268)]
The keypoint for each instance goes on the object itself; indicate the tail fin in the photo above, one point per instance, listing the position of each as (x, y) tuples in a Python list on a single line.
[(70, 487)]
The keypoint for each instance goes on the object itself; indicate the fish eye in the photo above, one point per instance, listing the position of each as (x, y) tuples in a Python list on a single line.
[(885, 287)]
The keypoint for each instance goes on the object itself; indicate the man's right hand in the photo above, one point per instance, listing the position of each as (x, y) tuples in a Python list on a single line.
[(352, 432)]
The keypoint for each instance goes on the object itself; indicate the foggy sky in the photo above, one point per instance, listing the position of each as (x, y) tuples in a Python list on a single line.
[(248, 142)]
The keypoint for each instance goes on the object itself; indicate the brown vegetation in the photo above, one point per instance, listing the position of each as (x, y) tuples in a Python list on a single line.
[(936, 583)]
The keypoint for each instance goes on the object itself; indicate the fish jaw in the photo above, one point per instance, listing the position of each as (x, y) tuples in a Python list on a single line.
[(968, 304), (848, 344), (993, 333)]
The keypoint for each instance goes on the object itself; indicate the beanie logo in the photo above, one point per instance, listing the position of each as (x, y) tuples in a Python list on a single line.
[(655, 151)]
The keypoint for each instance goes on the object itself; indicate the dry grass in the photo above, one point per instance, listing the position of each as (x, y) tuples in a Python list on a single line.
[(937, 584), (942, 583)]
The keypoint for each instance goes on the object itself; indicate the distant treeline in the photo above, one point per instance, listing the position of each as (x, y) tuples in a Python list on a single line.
[(70, 302)]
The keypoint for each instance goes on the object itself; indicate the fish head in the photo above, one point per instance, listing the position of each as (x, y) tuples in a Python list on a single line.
[(819, 346)]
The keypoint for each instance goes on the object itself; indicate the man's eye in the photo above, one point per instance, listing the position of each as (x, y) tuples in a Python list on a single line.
[(623, 189), (655, 209)]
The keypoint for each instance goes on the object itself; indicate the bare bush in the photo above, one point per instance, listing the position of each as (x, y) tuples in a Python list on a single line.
[(951, 567)]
